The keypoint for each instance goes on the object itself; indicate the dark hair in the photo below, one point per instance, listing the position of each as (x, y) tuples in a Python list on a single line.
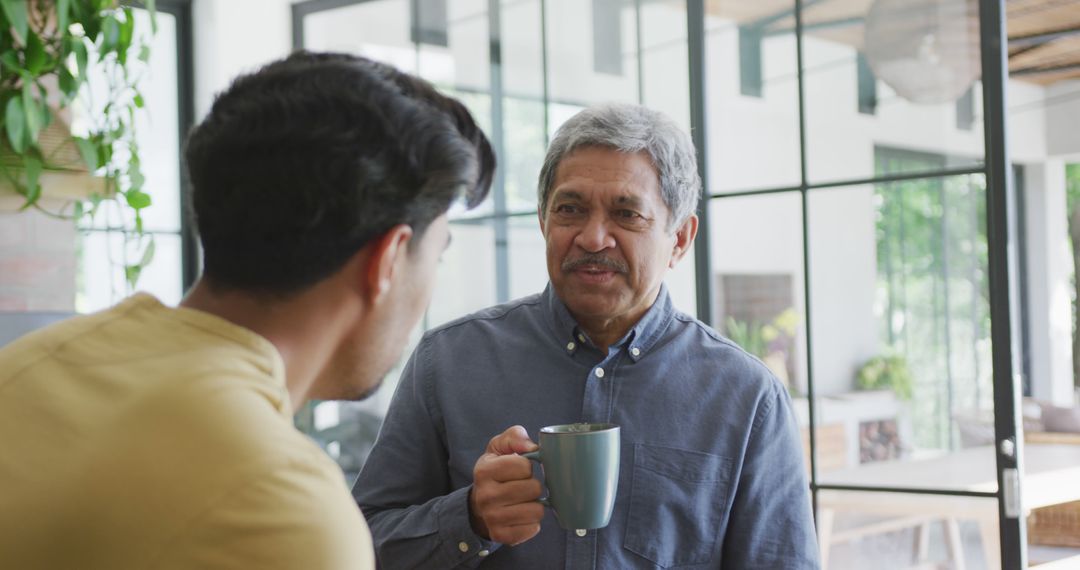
[(301, 163)]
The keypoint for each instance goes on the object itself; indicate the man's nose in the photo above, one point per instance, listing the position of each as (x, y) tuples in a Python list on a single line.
[(595, 235)]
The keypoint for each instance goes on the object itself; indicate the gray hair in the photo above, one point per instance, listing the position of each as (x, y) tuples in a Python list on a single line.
[(631, 128)]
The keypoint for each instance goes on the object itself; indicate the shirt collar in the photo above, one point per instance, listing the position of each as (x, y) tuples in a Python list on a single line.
[(638, 340)]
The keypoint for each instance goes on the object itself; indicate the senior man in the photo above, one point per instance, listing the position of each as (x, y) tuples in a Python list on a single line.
[(711, 470)]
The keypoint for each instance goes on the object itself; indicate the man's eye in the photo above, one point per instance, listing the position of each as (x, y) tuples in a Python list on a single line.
[(566, 209), (628, 215)]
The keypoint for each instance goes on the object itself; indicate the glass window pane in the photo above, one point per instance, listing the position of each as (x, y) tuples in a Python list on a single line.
[(379, 29), (37, 262), (465, 281), (901, 357), (860, 529), (157, 128), (757, 264), (385, 30), (528, 259), (100, 278), (923, 56), (752, 96), (162, 277), (665, 60), (573, 78)]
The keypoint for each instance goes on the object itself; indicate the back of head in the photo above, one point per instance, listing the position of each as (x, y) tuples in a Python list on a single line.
[(300, 164), (631, 128)]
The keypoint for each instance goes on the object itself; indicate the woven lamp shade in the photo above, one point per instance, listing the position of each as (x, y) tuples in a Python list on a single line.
[(925, 50)]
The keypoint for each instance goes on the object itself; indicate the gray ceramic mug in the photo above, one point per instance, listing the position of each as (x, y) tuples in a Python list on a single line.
[(581, 470)]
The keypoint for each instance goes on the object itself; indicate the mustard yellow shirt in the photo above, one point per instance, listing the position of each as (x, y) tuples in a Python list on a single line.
[(151, 437)]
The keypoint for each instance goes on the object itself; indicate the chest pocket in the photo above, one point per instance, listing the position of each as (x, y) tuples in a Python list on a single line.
[(677, 502)]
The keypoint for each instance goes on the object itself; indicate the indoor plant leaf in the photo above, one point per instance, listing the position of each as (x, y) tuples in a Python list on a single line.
[(32, 111), (15, 11), (36, 59), (63, 11), (15, 124), (33, 177)]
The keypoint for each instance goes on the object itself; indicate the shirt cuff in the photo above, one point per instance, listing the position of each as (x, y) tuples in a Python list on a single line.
[(461, 547)]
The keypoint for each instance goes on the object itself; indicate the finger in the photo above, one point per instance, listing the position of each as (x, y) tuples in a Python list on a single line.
[(501, 495), (504, 468), (530, 512), (514, 440)]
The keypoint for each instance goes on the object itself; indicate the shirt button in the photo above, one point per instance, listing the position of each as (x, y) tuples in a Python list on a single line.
[(581, 337), (599, 372), (570, 346), (580, 532), (483, 553), (635, 351), (463, 546)]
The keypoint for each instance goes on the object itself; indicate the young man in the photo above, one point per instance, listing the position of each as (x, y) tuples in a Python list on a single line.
[(146, 436)]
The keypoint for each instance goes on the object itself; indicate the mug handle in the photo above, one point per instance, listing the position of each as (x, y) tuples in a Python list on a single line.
[(535, 456)]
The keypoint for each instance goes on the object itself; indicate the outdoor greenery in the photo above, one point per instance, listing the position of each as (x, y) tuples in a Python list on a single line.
[(933, 295), (772, 342), (65, 58), (886, 372)]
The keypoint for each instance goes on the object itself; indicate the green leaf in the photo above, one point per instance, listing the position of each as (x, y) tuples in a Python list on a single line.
[(151, 6), (131, 274), (68, 85), (148, 253), (89, 153), (110, 36), (15, 11), (32, 110), (35, 54), (82, 58), (136, 178), (138, 100), (144, 53), (11, 61), (91, 23), (15, 124), (33, 175), (63, 10), (127, 30), (137, 199)]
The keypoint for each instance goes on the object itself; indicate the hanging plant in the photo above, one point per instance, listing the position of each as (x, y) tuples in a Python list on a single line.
[(49, 51)]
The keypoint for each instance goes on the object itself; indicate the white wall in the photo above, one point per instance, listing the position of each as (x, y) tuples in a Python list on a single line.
[(1063, 118), (235, 36), (1049, 261)]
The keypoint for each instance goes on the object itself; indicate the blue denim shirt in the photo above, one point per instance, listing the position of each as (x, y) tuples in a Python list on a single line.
[(711, 463)]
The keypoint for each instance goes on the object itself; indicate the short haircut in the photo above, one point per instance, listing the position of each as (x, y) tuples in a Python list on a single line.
[(631, 129), (301, 163)]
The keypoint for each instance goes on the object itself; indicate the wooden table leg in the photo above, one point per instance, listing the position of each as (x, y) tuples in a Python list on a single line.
[(955, 543)]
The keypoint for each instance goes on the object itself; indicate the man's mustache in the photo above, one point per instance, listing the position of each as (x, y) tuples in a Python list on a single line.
[(594, 260)]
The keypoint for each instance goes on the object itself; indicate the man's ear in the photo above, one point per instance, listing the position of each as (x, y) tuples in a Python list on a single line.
[(540, 216), (384, 254), (684, 238)]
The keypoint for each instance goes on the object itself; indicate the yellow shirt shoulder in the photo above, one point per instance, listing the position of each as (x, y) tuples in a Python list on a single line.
[(151, 437)]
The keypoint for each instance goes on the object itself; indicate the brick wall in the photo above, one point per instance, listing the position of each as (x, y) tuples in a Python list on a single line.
[(37, 262)]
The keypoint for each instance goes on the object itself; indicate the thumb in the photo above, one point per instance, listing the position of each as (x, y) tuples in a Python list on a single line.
[(514, 440)]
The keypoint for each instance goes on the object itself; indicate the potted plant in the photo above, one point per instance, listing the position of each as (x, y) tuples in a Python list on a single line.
[(51, 53), (887, 371)]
